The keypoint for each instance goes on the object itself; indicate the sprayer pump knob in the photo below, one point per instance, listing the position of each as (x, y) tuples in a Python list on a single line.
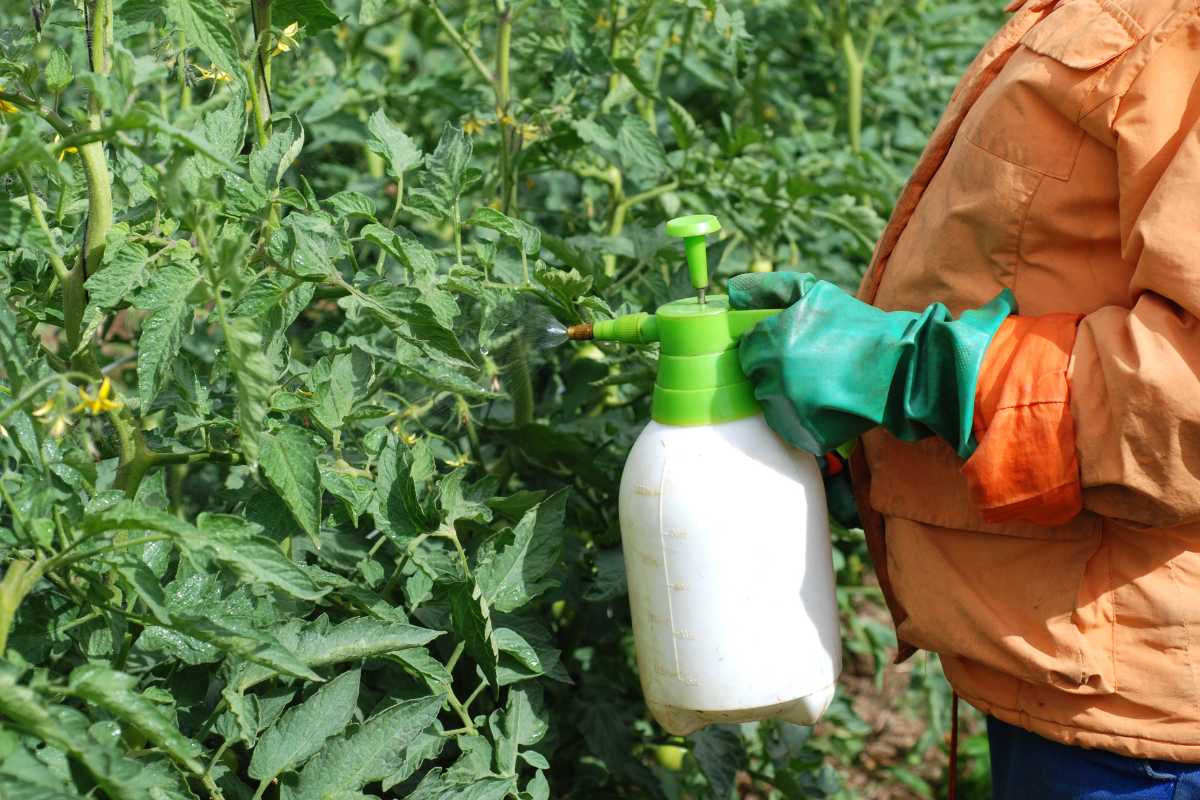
[(692, 230)]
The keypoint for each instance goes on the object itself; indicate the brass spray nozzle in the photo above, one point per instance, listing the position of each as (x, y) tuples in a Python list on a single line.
[(581, 332)]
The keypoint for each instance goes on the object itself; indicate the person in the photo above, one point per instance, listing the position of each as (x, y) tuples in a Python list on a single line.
[(1021, 365)]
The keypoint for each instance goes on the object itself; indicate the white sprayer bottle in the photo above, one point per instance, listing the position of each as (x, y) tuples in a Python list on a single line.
[(724, 528)]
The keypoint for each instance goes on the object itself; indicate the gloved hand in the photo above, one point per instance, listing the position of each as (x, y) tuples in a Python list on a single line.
[(830, 367), (839, 491)]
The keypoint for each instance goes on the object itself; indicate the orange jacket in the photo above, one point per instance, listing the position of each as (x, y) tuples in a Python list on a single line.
[(1057, 572)]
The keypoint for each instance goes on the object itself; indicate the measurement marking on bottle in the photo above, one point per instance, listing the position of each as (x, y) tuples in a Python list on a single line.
[(659, 619), (686, 681), (685, 635), (678, 586), (677, 534), (647, 491), (662, 542)]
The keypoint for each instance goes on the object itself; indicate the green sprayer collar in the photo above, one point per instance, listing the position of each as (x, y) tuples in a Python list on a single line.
[(700, 380)]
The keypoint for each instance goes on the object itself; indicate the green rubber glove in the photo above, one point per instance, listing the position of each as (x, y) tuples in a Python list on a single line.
[(830, 367)]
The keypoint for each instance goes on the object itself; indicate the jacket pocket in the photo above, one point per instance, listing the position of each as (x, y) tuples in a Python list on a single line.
[(1038, 611), (1029, 115)]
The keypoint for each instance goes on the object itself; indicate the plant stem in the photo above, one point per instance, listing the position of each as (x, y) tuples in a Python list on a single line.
[(185, 89), (461, 43), (35, 207), (260, 15), (262, 787), (854, 89), (60, 125), (464, 412), (95, 164), (508, 132), (453, 660), (260, 113)]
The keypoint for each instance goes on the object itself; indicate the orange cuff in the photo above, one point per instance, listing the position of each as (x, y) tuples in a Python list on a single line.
[(1025, 467)]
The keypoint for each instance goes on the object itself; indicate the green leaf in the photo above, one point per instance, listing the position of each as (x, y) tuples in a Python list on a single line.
[(232, 542), (307, 244), (527, 237), (289, 462), (204, 24), (437, 786), (238, 638), (347, 205), (115, 693), (640, 150), (471, 617), (340, 383), (523, 725), (719, 751), (566, 286), (122, 273), (428, 744), (58, 73), (255, 382), (313, 15), (446, 175), (513, 565), (687, 132), (359, 637), (416, 365), (303, 729), (389, 140), (24, 708), (165, 297), (267, 164), (369, 753)]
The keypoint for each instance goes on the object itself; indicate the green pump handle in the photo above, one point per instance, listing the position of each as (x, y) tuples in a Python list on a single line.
[(692, 229)]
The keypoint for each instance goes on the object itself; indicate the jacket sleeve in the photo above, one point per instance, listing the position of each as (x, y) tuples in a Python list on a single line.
[(1130, 377)]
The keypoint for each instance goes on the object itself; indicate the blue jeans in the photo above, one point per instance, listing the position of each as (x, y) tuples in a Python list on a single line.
[(1028, 767)]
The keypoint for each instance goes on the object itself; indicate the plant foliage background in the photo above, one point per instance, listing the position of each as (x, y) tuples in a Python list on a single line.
[(296, 498)]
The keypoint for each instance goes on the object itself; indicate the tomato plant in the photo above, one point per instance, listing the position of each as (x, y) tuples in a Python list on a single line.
[(298, 497)]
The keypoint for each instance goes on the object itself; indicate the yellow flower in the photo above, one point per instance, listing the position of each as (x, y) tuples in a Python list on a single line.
[(63, 152), (5, 106), (506, 119), (676, 40), (46, 407), (474, 126), (408, 438), (601, 21), (460, 461), (529, 132), (215, 74), (287, 39), (99, 403)]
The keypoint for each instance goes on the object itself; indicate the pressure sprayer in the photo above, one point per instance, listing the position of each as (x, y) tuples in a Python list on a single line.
[(723, 526)]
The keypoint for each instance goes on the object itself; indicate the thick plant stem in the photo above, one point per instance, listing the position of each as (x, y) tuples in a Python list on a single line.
[(854, 90), (261, 117), (508, 132), (261, 81)]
